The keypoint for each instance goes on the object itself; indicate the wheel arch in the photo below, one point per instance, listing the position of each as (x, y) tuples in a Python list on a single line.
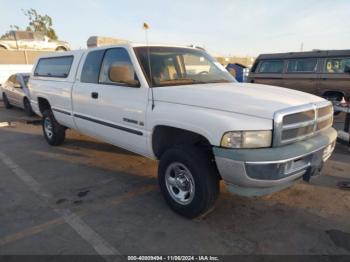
[(43, 104), (166, 136), (327, 93)]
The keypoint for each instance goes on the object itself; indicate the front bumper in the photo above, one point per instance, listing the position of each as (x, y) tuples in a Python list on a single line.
[(255, 172)]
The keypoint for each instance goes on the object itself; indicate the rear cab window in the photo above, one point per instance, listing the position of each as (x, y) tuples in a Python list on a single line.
[(54, 66), (271, 66), (91, 69)]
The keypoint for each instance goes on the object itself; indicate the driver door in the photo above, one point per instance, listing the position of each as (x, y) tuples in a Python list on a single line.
[(108, 104)]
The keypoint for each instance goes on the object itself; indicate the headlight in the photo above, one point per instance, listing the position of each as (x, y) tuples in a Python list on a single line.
[(247, 139)]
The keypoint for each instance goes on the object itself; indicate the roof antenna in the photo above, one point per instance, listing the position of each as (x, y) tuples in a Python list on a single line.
[(146, 27)]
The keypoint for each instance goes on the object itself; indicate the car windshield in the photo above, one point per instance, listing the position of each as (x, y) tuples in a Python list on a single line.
[(172, 66)]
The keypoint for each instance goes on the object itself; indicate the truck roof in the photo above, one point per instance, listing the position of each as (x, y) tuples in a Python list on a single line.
[(81, 51), (315, 53)]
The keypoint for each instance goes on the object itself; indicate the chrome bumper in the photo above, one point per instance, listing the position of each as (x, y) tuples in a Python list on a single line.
[(258, 172)]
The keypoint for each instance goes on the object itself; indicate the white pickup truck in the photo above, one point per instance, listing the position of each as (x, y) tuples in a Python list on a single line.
[(180, 106)]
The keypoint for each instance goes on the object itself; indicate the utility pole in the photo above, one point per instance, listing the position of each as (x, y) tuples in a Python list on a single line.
[(302, 47)]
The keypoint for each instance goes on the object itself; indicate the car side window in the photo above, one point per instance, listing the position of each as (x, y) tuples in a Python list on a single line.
[(91, 69), (117, 69), (11, 80), (275, 66), (302, 65), (18, 81), (337, 65)]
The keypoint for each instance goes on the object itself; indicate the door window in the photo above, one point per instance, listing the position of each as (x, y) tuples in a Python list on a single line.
[(271, 66), (91, 68), (11, 81), (337, 65), (117, 69), (302, 65)]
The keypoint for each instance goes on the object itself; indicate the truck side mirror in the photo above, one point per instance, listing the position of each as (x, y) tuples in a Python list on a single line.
[(123, 73), (347, 69)]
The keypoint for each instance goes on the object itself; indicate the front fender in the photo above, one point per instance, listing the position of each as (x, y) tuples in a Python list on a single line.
[(210, 123)]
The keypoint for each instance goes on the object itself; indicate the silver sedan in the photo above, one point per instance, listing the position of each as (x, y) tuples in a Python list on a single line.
[(15, 92)]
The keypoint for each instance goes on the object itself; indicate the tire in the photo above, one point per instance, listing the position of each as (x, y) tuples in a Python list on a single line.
[(202, 179), (6, 101), (54, 133), (27, 107)]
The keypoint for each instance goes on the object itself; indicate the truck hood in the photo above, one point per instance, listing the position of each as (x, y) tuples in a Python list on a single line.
[(243, 98)]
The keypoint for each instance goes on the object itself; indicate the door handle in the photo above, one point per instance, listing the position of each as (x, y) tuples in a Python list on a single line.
[(94, 95)]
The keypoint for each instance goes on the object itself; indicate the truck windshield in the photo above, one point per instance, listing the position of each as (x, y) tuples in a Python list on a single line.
[(172, 66)]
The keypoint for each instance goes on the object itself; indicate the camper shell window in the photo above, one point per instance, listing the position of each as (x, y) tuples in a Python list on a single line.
[(54, 66)]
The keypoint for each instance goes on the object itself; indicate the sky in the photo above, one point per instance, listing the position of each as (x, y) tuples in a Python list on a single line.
[(223, 27)]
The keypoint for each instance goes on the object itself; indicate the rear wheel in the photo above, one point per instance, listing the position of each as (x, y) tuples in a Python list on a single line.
[(54, 133), (6, 101), (27, 107), (188, 180)]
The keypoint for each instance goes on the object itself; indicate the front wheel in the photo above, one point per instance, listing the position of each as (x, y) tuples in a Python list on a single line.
[(6, 101), (188, 180), (54, 133)]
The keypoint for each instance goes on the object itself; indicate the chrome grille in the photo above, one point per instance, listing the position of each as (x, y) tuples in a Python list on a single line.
[(300, 122)]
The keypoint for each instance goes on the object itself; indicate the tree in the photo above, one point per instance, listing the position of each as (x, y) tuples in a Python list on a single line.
[(40, 23), (37, 23)]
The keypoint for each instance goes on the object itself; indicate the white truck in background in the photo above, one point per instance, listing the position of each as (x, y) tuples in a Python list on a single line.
[(180, 106)]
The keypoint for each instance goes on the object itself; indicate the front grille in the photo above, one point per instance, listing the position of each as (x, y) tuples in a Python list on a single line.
[(299, 117), (297, 123)]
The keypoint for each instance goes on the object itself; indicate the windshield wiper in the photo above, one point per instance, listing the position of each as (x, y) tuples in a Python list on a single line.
[(184, 81), (211, 82)]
